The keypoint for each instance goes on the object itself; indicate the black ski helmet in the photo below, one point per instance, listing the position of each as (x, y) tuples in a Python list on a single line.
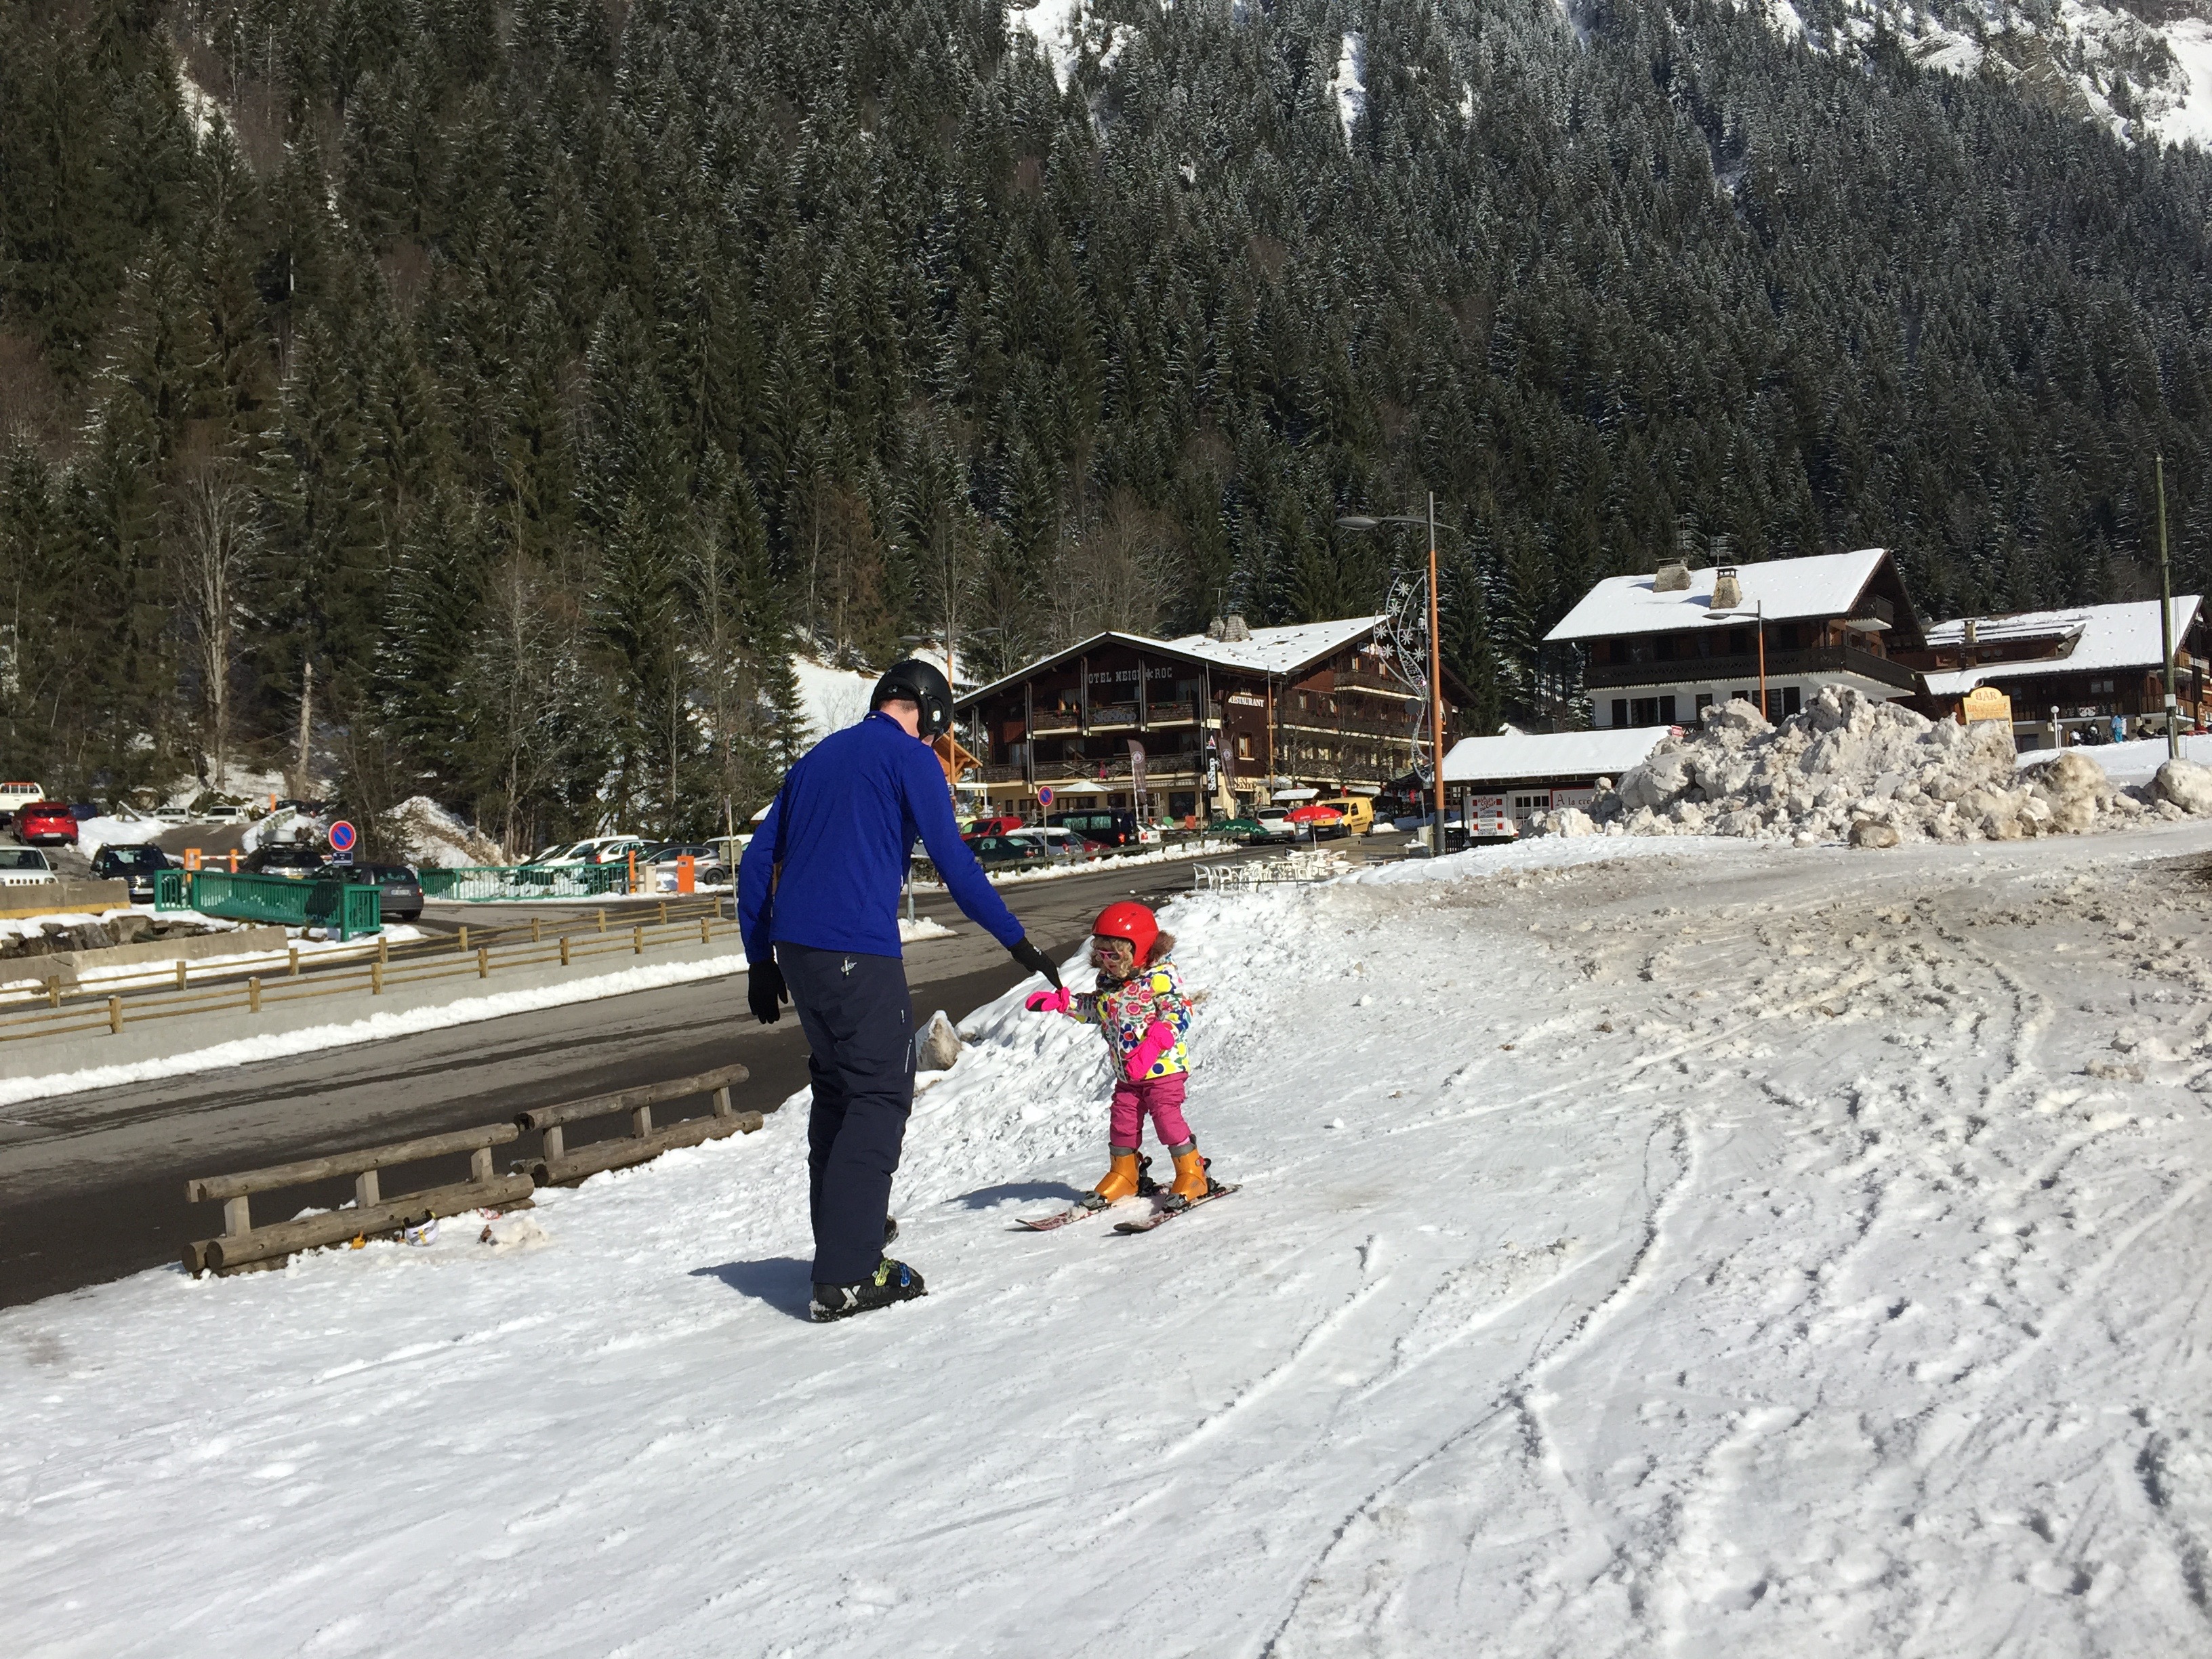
[(921, 682)]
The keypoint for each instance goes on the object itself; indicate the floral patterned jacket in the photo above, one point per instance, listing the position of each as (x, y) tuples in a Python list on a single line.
[(1125, 1011)]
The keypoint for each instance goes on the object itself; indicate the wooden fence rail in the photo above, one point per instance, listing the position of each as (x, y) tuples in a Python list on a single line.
[(480, 953), (557, 1166), (243, 1245)]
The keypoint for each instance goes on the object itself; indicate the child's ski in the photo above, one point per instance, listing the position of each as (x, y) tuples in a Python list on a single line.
[(1221, 1189), (1045, 1223)]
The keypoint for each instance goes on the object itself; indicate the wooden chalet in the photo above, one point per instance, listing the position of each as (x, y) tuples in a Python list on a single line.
[(1658, 649), (1227, 720)]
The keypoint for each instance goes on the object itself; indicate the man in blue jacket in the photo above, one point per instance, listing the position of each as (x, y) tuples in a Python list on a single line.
[(817, 902)]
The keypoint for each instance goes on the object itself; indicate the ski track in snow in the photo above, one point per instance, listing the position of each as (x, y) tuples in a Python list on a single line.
[(1725, 1249)]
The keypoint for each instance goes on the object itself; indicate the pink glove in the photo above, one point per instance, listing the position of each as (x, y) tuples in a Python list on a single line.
[(1048, 1002), (1159, 1037)]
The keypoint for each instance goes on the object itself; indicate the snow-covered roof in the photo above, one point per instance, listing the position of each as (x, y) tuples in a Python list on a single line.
[(1266, 651), (1279, 650), (1605, 753), (2088, 637), (1822, 585)]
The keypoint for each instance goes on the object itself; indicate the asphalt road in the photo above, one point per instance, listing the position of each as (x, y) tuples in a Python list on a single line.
[(92, 1185)]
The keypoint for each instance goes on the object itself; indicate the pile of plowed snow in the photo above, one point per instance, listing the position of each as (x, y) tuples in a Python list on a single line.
[(1875, 773)]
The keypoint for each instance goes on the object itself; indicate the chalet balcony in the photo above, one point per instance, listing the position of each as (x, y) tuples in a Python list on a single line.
[(1158, 768), (1170, 714), (1363, 681), (1744, 670), (1056, 723), (1112, 716)]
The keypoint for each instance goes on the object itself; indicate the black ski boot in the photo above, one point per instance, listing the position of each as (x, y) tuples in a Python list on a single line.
[(894, 1281), (890, 1230)]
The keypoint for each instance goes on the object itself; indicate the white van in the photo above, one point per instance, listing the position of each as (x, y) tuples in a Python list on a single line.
[(13, 795)]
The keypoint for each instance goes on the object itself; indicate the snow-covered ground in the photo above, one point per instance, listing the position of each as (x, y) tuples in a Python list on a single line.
[(1646, 1246)]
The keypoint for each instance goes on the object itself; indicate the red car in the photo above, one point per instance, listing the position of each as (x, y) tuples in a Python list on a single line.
[(1316, 819), (46, 820), (1004, 824)]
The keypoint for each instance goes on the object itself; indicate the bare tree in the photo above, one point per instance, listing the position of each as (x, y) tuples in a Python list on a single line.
[(218, 538), (517, 683), (1118, 573)]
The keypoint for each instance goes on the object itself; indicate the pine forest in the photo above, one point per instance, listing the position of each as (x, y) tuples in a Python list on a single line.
[(527, 386)]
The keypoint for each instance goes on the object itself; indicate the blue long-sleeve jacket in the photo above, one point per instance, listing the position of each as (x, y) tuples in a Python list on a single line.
[(843, 826)]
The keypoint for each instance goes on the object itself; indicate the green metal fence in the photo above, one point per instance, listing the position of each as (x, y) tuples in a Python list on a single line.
[(485, 884), (346, 908)]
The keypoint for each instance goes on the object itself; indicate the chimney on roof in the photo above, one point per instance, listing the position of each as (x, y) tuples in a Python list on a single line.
[(1728, 590), (1233, 629), (1213, 628), (1672, 577), (1973, 633)]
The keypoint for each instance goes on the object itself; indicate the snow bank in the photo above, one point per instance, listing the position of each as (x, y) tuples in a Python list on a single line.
[(275, 1045), (92, 834), (1747, 1255), (833, 697), (437, 839), (1847, 767)]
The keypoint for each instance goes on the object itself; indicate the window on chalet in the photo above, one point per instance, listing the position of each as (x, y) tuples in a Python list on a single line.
[(1243, 746)]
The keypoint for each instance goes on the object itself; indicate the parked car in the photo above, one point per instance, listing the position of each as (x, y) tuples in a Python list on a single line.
[(1314, 819), (1004, 824), (1007, 852), (402, 887), (1250, 831), (1277, 819), (13, 795), (220, 812), (134, 863), (595, 849), (46, 820), (1358, 812), (291, 860), (1104, 826), (82, 809), (24, 866), (1064, 846)]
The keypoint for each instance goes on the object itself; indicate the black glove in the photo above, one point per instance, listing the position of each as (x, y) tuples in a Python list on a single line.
[(1034, 959), (764, 990)]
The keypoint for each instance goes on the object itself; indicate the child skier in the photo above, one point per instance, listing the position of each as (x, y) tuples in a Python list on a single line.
[(1138, 1006)]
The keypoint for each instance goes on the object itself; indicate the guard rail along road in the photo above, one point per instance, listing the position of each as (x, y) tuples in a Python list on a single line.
[(264, 980), (242, 1245)]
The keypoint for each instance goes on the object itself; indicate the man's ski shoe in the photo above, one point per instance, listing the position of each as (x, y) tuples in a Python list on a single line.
[(894, 1281)]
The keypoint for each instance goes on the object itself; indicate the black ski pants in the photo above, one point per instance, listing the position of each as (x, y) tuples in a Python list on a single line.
[(859, 1023)]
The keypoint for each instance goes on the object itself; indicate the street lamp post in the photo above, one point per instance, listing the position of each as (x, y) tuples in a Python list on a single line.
[(1362, 521), (1758, 612)]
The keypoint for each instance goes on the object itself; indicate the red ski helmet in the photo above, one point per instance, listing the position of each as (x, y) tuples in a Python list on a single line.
[(1133, 922)]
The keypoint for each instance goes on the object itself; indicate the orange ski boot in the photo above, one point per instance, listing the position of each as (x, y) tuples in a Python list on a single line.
[(1124, 1176), (1191, 1181)]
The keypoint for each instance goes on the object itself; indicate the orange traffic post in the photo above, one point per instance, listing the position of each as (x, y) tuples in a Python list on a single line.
[(191, 858), (233, 860), (687, 874), (633, 869)]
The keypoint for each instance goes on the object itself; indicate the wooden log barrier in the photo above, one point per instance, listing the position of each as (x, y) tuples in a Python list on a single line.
[(557, 1166), (242, 1244)]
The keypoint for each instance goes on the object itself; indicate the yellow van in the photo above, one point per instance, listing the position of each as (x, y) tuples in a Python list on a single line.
[(1358, 812)]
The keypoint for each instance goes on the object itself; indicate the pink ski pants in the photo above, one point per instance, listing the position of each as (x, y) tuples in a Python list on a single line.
[(1161, 1097)]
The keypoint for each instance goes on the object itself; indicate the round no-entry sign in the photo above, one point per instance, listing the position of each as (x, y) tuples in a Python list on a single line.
[(1044, 796), (342, 836)]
